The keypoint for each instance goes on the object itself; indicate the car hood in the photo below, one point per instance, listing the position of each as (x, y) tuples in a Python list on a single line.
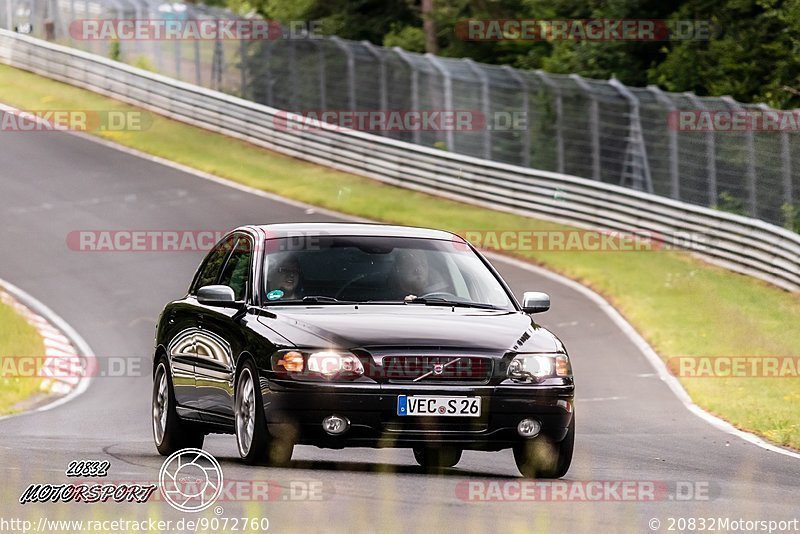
[(372, 326)]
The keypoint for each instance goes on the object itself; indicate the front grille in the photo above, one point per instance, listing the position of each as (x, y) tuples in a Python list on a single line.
[(439, 369)]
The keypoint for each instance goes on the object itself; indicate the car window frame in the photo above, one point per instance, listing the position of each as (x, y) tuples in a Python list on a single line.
[(239, 236), (196, 280)]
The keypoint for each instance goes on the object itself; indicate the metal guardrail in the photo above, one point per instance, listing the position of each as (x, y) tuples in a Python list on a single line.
[(741, 244)]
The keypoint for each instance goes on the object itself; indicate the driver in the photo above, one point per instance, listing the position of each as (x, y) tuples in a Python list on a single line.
[(284, 278), (412, 273)]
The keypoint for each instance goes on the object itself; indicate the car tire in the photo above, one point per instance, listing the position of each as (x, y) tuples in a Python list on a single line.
[(543, 458), (433, 460), (253, 440), (170, 433)]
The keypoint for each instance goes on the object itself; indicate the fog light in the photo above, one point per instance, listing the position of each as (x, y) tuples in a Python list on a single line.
[(529, 428), (335, 425)]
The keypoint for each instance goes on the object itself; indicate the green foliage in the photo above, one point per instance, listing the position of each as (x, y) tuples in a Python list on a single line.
[(115, 51), (731, 204), (349, 19), (408, 38), (144, 63), (791, 217)]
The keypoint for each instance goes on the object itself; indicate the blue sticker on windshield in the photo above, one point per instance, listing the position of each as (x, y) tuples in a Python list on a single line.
[(275, 294)]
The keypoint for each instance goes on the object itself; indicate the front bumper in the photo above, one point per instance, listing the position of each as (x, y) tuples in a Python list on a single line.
[(295, 410)]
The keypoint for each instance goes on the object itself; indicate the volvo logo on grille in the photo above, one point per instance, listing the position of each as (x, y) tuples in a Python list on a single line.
[(438, 369)]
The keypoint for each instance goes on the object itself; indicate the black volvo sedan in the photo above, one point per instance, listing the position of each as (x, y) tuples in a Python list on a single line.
[(341, 335)]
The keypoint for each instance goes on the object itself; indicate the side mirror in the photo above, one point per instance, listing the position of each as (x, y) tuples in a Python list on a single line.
[(217, 296), (535, 302)]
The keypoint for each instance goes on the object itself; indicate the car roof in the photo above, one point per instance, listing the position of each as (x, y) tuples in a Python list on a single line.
[(352, 229)]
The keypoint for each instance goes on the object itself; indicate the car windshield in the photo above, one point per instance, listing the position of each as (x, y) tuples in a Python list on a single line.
[(331, 269)]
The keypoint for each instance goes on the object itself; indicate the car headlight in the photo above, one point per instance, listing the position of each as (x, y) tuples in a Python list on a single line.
[(323, 363), (526, 367)]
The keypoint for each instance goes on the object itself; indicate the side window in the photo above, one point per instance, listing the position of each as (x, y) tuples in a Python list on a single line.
[(237, 271), (212, 265)]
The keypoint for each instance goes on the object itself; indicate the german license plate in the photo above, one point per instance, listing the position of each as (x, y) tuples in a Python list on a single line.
[(439, 406)]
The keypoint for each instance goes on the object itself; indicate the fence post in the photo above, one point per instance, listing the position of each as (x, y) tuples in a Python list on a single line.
[(381, 73), (786, 161), (594, 123), (559, 118), (485, 99), (526, 132), (635, 141), (323, 73), (403, 55), (294, 102), (752, 198), (711, 154), (672, 133), (197, 69), (243, 66), (72, 18), (351, 71), (448, 94)]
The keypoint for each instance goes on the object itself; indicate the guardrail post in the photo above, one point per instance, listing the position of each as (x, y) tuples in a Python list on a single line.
[(594, 123), (403, 55), (672, 133), (525, 153), (485, 99), (351, 71), (448, 94), (636, 145), (559, 117), (711, 154)]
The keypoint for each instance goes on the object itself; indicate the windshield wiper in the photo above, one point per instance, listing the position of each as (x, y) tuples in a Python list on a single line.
[(438, 301), (314, 299)]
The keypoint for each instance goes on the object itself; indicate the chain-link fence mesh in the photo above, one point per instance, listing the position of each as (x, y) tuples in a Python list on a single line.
[(595, 129)]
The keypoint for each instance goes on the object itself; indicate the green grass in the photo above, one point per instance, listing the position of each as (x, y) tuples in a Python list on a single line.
[(17, 339), (682, 306)]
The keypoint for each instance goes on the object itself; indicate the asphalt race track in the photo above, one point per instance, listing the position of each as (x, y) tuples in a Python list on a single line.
[(630, 426)]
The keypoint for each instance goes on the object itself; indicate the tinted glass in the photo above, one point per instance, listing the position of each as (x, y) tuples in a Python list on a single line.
[(378, 269), (213, 264), (237, 269)]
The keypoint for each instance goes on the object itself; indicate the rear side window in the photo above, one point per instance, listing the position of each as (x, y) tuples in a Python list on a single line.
[(209, 273), (237, 271)]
